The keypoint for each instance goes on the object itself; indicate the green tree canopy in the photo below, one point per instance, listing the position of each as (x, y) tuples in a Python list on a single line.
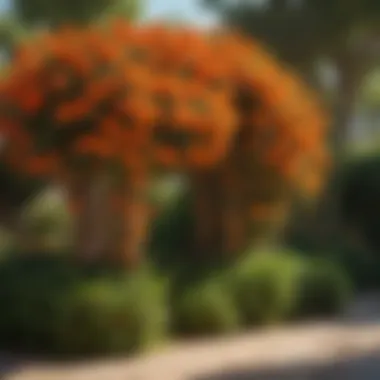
[(371, 90), (55, 13), (11, 32), (299, 28)]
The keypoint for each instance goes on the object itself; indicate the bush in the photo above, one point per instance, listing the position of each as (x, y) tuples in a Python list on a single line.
[(172, 232), (31, 294), (7, 243), (52, 306), (360, 206), (113, 315), (323, 290), (46, 223), (264, 287), (205, 307), (361, 265)]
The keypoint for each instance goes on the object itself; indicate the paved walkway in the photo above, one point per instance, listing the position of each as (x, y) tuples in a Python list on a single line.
[(341, 350)]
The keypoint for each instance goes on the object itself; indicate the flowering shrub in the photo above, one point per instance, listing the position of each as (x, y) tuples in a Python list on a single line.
[(279, 154), (98, 109)]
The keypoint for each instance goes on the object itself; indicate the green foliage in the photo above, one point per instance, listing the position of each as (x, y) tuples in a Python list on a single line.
[(355, 248), (46, 223), (316, 26), (11, 33), (35, 12), (360, 202), (264, 287), (205, 307), (31, 293), (113, 315), (171, 233), (370, 92), (50, 305), (361, 265), (7, 244), (323, 290)]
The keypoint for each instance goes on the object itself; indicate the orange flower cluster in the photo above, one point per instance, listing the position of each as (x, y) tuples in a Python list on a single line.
[(120, 94), (280, 150), (68, 96), (175, 97), (141, 96), (283, 128)]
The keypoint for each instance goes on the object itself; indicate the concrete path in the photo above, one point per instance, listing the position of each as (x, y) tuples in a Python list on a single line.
[(345, 349)]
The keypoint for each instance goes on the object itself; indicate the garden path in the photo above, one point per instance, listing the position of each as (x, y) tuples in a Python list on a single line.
[(345, 349)]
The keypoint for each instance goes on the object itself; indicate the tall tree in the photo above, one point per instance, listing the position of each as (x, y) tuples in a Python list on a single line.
[(114, 104), (24, 19), (303, 31)]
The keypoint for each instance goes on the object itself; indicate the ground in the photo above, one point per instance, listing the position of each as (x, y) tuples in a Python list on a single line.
[(347, 348)]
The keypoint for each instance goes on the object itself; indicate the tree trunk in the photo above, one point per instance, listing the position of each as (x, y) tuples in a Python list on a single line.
[(89, 196), (234, 219), (207, 214), (132, 219), (221, 223)]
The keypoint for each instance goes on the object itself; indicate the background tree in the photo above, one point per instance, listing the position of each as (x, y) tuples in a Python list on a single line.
[(302, 32), (40, 13), (279, 155), (101, 108)]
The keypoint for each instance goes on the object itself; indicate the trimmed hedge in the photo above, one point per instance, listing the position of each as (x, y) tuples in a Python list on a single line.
[(263, 287), (323, 290), (204, 308), (50, 305)]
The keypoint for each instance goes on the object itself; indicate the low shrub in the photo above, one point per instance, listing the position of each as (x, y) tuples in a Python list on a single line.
[(205, 307), (323, 290), (361, 265), (264, 287), (110, 315), (359, 201), (53, 306), (30, 300), (48, 304), (172, 232)]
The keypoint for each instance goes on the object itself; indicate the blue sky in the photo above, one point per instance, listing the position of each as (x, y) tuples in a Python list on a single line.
[(184, 10), (4, 5)]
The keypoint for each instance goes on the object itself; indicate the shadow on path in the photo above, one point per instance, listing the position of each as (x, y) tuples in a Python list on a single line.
[(9, 366), (360, 367)]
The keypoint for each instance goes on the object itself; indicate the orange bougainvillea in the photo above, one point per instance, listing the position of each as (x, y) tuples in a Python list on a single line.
[(131, 98), (280, 151)]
